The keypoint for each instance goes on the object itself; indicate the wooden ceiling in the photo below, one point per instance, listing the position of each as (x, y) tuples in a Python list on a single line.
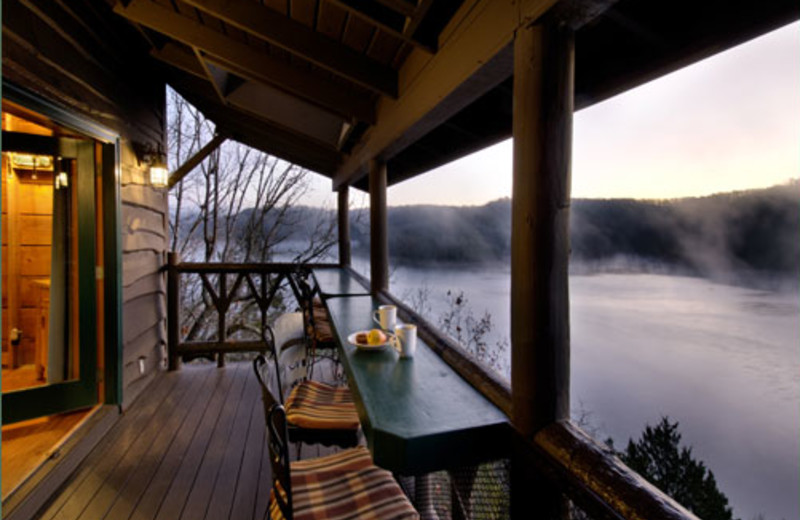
[(330, 84), (297, 78)]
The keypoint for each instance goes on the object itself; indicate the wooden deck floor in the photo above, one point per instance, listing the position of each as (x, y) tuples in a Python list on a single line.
[(192, 447)]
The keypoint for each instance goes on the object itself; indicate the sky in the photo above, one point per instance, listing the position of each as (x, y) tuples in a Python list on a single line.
[(729, 122)]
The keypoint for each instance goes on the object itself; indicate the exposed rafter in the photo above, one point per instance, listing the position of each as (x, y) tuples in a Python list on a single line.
[(218, 77), (260, 66), (386, 18), (191, 163), (252, 131), (302, 41), (174, 55), (416, 17), (403, 7), (287, 111)]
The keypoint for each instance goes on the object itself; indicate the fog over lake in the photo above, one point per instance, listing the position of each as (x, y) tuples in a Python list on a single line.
[(722, 360)]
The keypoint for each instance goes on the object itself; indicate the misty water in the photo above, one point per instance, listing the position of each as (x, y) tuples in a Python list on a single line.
[(722, 360)]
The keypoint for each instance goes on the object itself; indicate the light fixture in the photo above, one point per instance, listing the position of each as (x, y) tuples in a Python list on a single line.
[(62, 180), (159, 175), (32, 162), (156, 162)]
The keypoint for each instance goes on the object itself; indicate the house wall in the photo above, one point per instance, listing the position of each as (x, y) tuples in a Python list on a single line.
[(80, 56)]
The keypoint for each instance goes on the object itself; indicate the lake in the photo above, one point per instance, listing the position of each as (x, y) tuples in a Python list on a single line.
[(722, 360)]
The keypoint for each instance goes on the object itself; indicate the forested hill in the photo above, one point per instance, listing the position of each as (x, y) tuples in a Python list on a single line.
[(741, 232)]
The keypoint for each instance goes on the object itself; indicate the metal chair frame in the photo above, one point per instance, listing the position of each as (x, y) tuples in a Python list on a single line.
[(344, 438)]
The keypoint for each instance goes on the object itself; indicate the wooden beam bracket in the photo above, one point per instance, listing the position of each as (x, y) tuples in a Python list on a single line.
[(192, 162)]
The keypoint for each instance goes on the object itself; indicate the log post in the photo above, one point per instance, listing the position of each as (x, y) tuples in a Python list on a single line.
[(542, 129), (173, 312), (344, 226), (379, 235)]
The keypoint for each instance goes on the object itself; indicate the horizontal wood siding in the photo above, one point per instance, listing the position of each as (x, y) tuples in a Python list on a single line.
[(144, 244), (80, 56)]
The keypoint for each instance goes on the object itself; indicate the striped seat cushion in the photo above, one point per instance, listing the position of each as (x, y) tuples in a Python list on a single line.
[(316, 405), (322, 332), (311, 472), (370, 493), (305, 472)]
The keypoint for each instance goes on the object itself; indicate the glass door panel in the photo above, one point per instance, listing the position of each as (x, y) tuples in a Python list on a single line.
[(49, 289)]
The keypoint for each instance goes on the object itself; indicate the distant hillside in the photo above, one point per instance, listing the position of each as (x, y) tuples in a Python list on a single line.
[(755, 231), (738, 234)]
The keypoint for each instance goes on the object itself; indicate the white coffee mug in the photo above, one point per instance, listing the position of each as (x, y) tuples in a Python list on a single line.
[(407, 335), (386, 317)]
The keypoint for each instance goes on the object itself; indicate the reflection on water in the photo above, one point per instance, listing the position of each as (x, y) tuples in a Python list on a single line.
[(720, 359)]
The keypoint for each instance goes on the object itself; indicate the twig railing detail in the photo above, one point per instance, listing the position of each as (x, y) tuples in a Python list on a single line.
[(262, 282)]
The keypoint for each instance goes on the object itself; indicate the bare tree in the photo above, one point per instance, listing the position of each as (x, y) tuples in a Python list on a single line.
[(238, 206)]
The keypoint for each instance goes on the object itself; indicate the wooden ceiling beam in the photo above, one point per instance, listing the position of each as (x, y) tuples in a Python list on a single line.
[(416, 17), (218, 77), (261, 66), (302, 41), (439, 86), (172, 54), (253, 131), (577, 13), (385, 18), (401, 6)]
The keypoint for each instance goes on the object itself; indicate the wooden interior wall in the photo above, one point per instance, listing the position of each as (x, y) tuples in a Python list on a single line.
[(5, 317), (80, 56), (35, 214), (27, 209)]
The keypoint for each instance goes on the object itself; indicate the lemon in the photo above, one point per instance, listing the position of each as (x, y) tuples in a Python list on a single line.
[(376, 337)]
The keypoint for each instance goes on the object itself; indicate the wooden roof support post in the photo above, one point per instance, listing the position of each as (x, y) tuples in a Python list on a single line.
[(344, 226), (378, 225), (542, 129)]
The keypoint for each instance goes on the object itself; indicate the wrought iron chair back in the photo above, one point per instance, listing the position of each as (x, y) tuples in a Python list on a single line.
[(260, 365), (278, 441), (344, 438)]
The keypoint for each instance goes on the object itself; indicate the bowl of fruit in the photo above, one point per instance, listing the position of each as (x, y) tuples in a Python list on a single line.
[(374, 339)]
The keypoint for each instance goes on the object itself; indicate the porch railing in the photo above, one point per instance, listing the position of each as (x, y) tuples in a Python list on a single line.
[(258, 282)]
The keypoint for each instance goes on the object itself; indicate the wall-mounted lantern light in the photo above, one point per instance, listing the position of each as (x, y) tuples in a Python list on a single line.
[(159, 175), (156, 164)]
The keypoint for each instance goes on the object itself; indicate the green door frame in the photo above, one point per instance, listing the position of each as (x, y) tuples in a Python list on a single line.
[(35, 402)]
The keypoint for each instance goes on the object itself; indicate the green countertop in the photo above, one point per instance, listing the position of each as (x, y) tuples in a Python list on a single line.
[(335, 281), (418, 414)]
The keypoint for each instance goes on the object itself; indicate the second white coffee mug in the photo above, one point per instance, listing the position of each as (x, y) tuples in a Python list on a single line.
[(407, 335), (386, 317)]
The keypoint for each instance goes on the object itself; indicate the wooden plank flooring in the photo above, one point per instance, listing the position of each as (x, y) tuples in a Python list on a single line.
[(192, 446)]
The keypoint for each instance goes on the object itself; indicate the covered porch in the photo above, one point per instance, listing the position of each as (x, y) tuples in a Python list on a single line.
[(367, 94)]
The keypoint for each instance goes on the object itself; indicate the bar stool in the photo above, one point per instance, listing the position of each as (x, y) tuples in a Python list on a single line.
[(317, 413), (318, 326), (343, 485), (292, 347)]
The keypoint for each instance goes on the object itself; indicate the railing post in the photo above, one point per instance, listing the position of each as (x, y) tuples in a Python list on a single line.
[(379, 235), (542, 128), (173, 309), (344, 226), (222, 310)]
